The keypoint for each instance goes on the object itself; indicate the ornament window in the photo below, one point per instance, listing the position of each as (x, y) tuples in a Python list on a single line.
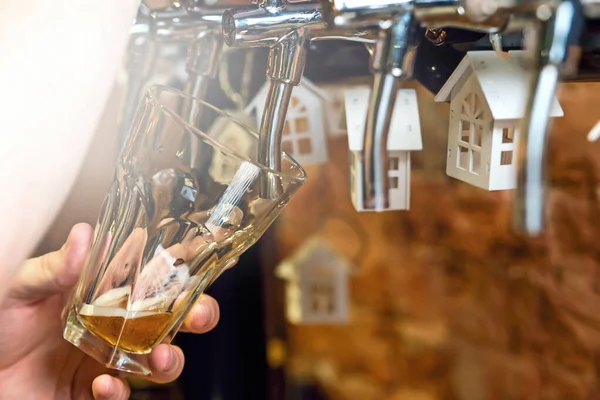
[(470, 134)]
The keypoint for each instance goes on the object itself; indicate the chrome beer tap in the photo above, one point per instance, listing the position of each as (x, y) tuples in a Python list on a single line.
[(550, 57), (398, 26), (557, 27), (286, 29), (392, 60), (177, 24)]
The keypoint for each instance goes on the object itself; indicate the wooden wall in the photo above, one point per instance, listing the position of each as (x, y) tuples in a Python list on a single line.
[(447, 302)]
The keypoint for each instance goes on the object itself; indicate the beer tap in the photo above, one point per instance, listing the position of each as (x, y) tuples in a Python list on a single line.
[(553, 38), (392, 60), (286, 29), (179, 23), (557, 27)]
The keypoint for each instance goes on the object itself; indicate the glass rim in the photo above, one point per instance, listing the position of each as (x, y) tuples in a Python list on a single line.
[(152, 93)]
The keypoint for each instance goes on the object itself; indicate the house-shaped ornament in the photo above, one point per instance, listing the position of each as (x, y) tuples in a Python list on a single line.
[(487, 95), (235, 138), (403, 138), (304, 134), (317, 280)]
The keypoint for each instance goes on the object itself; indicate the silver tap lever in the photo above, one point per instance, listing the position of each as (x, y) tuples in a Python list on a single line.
[(391, 61), (550, 55)]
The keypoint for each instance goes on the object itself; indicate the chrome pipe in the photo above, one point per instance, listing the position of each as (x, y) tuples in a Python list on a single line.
[(270, 133), (552, 40), (375, 163)]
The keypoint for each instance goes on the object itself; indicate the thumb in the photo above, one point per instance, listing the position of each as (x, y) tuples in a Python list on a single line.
[(54, 272)]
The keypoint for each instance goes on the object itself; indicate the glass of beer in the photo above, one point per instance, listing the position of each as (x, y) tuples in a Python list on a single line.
[(186, 200)]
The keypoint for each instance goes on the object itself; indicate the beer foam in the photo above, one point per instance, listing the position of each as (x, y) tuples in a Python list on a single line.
[(113, 298), (88, 310), (119, 299)]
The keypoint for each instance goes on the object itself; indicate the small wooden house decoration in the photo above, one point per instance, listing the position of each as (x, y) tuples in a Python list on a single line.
[(304, 133), (403, 138), (235, 138), (487, 95), (316, 284)]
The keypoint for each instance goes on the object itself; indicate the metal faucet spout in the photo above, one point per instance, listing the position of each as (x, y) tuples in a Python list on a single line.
[(531, 189), (550, 53), (273, 121), (270, 133), (379, 116), (392, 61)]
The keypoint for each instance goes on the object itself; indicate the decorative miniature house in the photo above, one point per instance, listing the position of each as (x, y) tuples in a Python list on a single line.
[(403, 138), (235, 138), (304, 133), (487, 95), (316, 284)]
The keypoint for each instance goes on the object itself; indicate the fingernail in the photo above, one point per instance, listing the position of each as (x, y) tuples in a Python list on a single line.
[(110, 387), (207, 314), (173, 360)]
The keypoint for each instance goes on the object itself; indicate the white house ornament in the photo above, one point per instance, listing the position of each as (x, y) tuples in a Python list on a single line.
[(404, 137), (317, 281), (487, 94)]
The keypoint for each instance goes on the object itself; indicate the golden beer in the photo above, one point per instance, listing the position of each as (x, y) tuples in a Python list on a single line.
[(135, 332)]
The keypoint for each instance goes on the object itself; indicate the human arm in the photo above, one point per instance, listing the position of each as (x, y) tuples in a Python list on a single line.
[(59, 60)]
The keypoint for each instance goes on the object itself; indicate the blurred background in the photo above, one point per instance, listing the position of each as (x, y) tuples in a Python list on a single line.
[(444, 301)]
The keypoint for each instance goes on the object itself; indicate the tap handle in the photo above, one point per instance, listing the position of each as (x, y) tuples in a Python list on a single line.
[(363, 14), (284, 27)]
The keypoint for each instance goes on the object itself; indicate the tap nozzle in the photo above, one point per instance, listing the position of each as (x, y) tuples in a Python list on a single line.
[(557, 29)]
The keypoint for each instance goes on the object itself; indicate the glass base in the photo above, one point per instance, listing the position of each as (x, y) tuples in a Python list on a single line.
[(106, 354)]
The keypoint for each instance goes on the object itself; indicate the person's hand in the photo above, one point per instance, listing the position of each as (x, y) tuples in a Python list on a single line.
[(37, 363)]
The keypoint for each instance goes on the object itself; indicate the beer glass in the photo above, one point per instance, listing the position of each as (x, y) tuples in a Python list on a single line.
[(185, 202)]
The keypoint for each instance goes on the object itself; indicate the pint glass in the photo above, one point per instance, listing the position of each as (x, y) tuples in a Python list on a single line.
[(185, 202)]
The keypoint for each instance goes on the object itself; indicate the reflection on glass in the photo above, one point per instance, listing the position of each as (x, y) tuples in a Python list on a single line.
[(181, 208)]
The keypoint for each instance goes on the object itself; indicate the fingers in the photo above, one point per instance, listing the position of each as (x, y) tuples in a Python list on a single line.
[(166, 362), (106, 387), (203, 317), (54, 272)]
